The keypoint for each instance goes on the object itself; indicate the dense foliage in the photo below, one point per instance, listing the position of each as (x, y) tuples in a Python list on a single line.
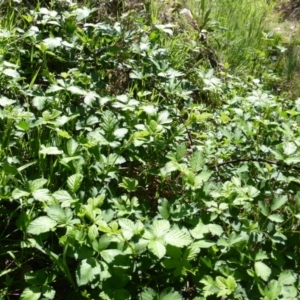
[(135, 165)]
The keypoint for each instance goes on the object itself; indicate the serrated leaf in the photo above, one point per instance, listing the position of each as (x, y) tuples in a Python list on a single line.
[(197, 161), (76, 90), (262, 270), (289, 148), (31, 293), (72, 146), (160, 227), (148, 294), (287, 277), (109, 254), (261, 255), (87, 270), (5, 101), (102, 243), (52, 43), (169, 294), (203, 244), (11, 73), (128, 228), (178, 238), (180, 152), (149, 109), (36, 184), (202, 177), (273, 290), (42, 195), (276, 218), (163, 117), (157, 248), (164, 208), (64, 197), (17, 194), (59, 215), (90, 97), (199, 231), (215, 229), (93, 232), (278, 202), (50, 150), (74, 182), (41, 225), (120, 133), (82, 13)]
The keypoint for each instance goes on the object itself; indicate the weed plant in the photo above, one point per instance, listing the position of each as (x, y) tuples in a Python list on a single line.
[(131, 168)]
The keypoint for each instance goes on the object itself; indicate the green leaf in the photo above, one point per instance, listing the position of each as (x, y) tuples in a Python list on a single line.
[(157, 248), (130, 184), (180, 152), (48, 292), (11, 73), (169, 294), (197, 161), (160, 227), (109, 254), (287, 277), (17, 194), (273, 290), (102, 243), (93, 232), (64, 197), (41, 225), (52, 43), (10, 169), (289, 148), (148, 294), (6, 102), (76, 90), (203, 244), (42, 195), (59, 215), (264, 208), (276, 218), (87, 271), (36, 184), (278, 202), (120, 133), (202, 177), (128, 228), (164, 208), (72, 146), (74, 182), (215, 229), (262, 270), (178, 238), (82, 13), (261, 255), (50, 150), (31, 293), (200, 230), (163, 117)]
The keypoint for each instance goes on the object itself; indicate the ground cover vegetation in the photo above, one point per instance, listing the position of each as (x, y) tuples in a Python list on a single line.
[(149, 150)]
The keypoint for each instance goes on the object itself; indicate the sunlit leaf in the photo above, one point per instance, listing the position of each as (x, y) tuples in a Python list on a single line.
[(41, 225)]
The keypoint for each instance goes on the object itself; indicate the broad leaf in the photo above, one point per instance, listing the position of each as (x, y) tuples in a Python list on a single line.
[(262, 270), (74, 182), (41, 225), (87, 271), (157, 248), (31, 293), (178, 238)]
